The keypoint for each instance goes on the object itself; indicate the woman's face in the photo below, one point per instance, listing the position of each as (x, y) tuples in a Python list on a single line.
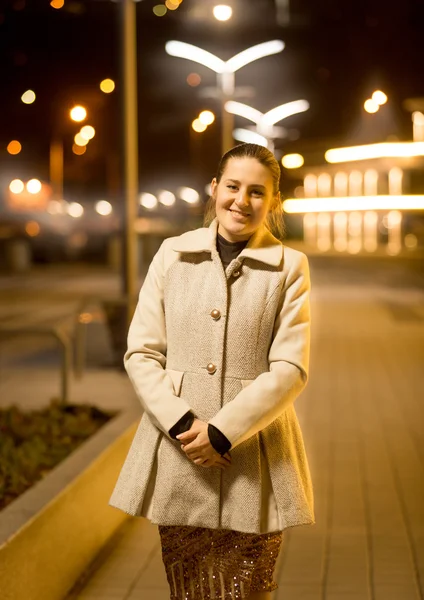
[(243, 198)]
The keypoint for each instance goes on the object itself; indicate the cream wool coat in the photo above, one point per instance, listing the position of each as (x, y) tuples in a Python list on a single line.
[(241, 372)]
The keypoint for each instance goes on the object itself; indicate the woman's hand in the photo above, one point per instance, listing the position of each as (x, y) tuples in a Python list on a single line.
[(197, 447)]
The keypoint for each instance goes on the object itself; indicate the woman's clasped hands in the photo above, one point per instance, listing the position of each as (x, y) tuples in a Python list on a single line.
[(198, 449)]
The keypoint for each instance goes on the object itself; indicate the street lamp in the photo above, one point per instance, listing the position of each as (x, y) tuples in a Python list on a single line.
[(225, 71), (265, 122)]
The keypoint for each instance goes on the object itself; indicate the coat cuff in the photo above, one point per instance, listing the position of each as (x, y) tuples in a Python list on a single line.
[(184, 424), (219, 441)]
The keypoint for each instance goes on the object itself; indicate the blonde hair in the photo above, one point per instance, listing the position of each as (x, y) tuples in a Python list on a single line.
[(275, 219)]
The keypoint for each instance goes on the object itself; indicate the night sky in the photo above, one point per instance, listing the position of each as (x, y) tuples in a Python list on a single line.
[(337, 53)]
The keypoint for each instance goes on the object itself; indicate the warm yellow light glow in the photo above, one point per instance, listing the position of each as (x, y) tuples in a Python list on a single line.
[(149, 201), (160, 10), (107, 86), (394, 226), (369, 151), (222, 12), (75, 210), (324, 232), (166, 198), (411, 241), (14, 147), (340, 221), (55, 207), (206, 117), (355, 183), (189, 195), (379, 97), (395, 181), (198, 126), (340, 184), (310, 185), (103, 207), (418, 126), (87, 132), (310, 228), (370, 231), (57, 3), (16, 186), (28, 97), (292, 161), (33, 186), (79, 150), (324, 185), (383, 202), (371, 182), (371, 106), (172, 4), (32, 228), (78, 114), (79, 140)]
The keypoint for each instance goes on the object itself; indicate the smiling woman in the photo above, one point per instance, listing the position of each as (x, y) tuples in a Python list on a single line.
[(245, 193), (218, 351)]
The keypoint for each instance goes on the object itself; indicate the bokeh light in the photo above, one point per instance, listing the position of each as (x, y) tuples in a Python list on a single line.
[(79, 150), (379, 97), (371, 106), (206, 117), (28, 97), (292, 161), (75, 209), (78, 113), (160, 10), (79, 140), (16, 186), (193, 79), (148, 200), (166, 198), (103, 207), (222, 12), (57, 3), (189, 195), (198, 126), (87, 132), (172, 4), (33, 186), (32, 228), (107, 86), (14, 147)]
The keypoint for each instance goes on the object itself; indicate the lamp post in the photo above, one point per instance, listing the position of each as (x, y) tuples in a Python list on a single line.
[(265, 122), (225, 71)]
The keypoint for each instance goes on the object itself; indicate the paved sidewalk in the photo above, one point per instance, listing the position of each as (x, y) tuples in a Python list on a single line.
[(362, 418)]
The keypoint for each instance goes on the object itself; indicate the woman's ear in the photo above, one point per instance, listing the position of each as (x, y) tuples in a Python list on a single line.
[(214, 185)]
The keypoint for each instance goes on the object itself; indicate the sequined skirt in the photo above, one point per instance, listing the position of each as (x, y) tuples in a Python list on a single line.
[(218, 564)]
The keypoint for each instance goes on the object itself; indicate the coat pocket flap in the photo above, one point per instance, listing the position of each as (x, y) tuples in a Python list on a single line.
[(246, 382), (177, 379)]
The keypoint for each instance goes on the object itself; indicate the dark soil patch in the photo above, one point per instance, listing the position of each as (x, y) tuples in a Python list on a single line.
[(32, 443)]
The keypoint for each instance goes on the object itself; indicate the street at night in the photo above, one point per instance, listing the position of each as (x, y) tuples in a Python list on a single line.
[(211, 300)]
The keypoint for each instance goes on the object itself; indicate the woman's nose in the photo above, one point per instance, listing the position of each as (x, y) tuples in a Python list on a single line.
[(242, 198)]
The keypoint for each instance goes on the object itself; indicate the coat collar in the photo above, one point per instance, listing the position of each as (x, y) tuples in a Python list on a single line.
[(262, 246)]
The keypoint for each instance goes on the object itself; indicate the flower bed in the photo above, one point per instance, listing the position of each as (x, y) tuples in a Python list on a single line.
[(32, 443)]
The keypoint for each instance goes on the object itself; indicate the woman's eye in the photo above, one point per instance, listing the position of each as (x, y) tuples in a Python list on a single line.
[(258, 192), (232, 187)]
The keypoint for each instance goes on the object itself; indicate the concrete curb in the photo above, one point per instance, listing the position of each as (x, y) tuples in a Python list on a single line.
[(51, 534)]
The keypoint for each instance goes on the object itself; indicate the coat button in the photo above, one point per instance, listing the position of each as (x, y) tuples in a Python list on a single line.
[(211, 368), (236, 274), (215, 314)]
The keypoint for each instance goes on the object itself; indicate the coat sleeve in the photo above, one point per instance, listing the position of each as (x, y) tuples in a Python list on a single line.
[(258, 404), (145, 358)]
